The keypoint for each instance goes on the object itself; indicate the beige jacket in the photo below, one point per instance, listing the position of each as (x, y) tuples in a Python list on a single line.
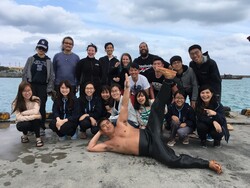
[(31, 113)]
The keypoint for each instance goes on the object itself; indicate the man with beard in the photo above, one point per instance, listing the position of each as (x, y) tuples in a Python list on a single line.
[(145, 60)]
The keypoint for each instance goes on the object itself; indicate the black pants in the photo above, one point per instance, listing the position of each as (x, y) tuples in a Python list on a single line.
[(40, 91), (150, 138), (26, 126), (86, 124), (67, 129), (203, 129)]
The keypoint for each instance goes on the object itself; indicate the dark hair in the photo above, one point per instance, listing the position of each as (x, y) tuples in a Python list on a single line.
[(19, 102), (68, 37), (157, 58), (143, 43), (110, 100), (108, 43), (101, 120), (135, 66), (212, 103), (115, 85), (181, 92), (137, 105), (70, 95), (105, 88), (175, 58), (85, 85), (92, 45), (121, 66), (195, 46)]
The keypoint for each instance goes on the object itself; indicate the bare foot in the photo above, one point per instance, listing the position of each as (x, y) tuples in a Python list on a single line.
[(215, 166), (167, 73)]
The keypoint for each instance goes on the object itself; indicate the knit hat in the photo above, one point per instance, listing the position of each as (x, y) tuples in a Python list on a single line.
[(175, 58), (43, 43)]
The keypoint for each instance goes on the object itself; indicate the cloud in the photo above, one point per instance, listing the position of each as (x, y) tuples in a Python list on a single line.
[(47, 19), (169, 28), (158, 11)]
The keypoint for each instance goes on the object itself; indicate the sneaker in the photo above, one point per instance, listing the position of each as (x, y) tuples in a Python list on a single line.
[(209, 138), (185, 141), (171, 143), (82, 135), (217, 143), (42, 132), (74, 137), (204, 144), (62, 138)]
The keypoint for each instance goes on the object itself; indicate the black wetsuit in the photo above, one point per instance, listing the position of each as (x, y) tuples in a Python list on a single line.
[(150, 143)]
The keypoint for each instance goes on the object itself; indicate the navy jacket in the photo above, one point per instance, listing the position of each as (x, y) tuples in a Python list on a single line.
[(93, 107), (62, 110), (201, 116), (186, 114)]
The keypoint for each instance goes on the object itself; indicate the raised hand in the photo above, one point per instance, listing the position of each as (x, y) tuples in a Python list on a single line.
[(126, 83)]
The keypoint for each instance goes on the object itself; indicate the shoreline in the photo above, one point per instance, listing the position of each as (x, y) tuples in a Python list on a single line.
[(234, 118)]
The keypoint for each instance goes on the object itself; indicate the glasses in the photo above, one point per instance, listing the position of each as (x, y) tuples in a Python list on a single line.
[(69, 43), (26, 91), (41, 48), (195, 53)]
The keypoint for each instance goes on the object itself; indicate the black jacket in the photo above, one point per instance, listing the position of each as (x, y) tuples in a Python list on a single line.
[(208, 73), (201, 116), (89, 70), (187, 115), (61, 111), (107, 65), (94, 107)]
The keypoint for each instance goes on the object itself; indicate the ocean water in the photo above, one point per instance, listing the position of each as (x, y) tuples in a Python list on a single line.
[(235, 94)]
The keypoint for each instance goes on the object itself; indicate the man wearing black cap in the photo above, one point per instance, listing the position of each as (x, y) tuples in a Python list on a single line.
[(206, 69), (186, 78)]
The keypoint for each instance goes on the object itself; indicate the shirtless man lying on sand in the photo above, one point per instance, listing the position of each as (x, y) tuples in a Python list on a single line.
[(125, 139)]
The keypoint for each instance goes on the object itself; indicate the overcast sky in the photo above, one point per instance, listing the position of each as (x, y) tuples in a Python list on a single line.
[(169, 27)]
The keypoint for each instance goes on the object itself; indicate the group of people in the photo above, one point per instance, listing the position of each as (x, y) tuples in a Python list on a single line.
[(139, 96)]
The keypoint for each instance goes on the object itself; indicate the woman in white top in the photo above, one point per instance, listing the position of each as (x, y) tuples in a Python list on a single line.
[(116, 95)]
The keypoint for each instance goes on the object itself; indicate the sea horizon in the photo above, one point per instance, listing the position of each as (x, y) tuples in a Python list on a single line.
[(234, 94)]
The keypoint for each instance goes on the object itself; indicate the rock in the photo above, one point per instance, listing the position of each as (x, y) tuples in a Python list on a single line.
[(4, 115), (245, 112), (226, 108)]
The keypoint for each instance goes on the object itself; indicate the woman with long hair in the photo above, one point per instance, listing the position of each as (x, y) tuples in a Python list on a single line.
[(65, 112), (142, 107), (26, 108), (120, 69), (210, 117)]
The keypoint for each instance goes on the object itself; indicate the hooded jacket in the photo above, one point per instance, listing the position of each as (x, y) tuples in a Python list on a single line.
[(208, 73)]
